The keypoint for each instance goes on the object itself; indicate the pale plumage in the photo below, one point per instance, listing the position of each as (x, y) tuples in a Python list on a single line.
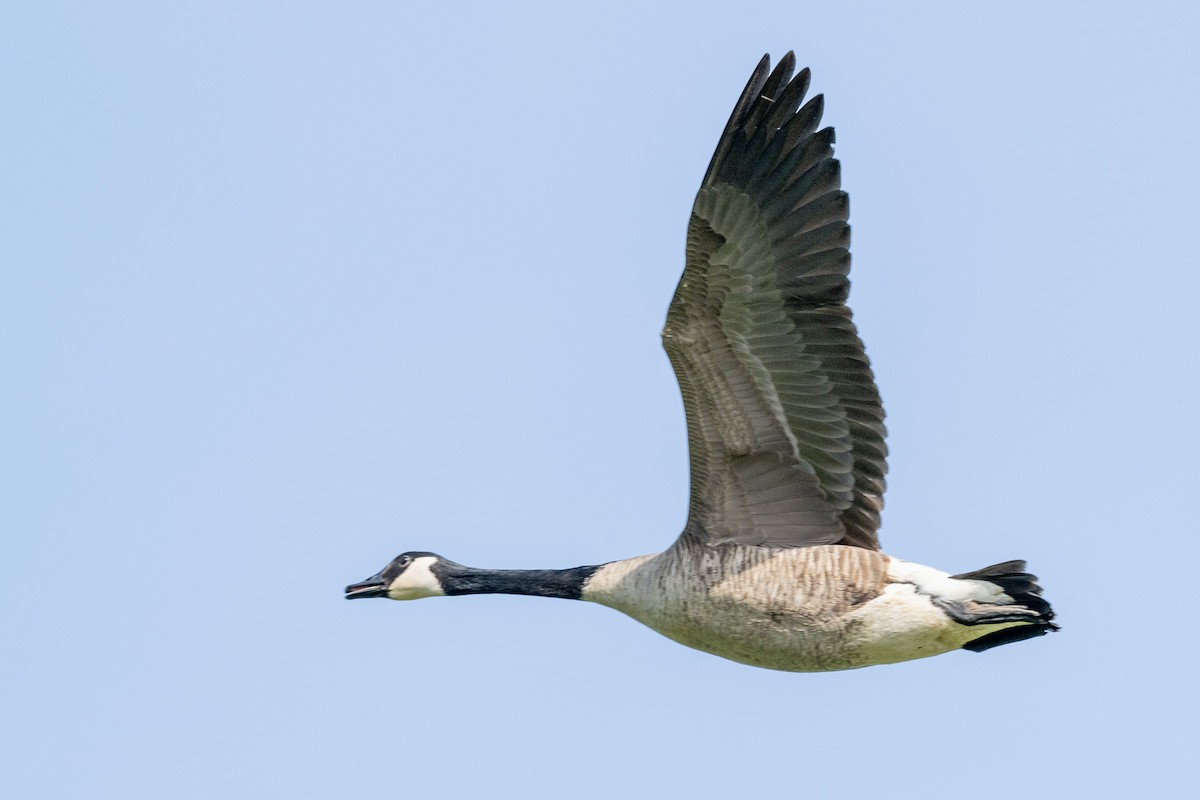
[(778, 565)]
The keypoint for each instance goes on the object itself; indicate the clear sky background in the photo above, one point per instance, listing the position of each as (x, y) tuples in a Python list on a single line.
[(289, 288)]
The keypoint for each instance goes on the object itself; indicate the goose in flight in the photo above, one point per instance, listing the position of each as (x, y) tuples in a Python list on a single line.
[(779, 564)]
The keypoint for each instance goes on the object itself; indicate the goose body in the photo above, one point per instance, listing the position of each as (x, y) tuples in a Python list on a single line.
[(779, 564), (810, 609)]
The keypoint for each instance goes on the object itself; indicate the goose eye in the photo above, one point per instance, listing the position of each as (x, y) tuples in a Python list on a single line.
[(404, 560)]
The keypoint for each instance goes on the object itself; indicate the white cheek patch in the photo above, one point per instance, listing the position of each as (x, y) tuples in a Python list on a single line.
[(936, 583), (416, 582)]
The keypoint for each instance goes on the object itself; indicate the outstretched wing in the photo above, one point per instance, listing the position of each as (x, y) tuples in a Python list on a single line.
[(785, 425)]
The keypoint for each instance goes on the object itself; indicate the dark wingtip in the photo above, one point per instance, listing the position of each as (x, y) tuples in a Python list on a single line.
[(741, 108)]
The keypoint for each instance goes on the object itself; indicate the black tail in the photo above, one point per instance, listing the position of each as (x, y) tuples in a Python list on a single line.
[(1021, 587)]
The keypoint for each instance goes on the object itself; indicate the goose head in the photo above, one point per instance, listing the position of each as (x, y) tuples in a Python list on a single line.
[(409, 576)]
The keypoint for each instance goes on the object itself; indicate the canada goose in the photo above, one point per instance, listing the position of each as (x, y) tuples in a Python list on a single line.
[(778, 565)]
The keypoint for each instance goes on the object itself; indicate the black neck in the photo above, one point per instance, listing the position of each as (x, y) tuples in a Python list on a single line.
[(564, 583)]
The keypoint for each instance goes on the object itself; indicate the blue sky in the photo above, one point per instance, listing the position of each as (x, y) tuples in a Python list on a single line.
[(289, 288)]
